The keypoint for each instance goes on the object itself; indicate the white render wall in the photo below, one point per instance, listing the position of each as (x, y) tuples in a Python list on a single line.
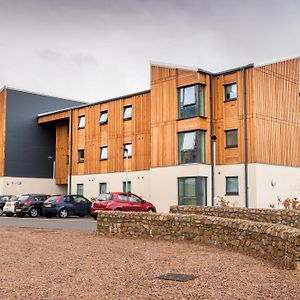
[(160, 185), (20, 185), (139, 183)]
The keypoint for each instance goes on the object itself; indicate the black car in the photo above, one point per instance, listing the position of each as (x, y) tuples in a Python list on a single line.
[(31, 204), (66, 205), (3, 199)]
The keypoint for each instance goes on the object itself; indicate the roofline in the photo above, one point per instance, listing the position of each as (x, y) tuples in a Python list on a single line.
[(282, 59), (40, 94), (94, 103), (234, 70)]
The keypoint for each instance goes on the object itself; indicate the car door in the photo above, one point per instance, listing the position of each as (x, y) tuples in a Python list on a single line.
[(82, 205), (135, 202), (69, 204)]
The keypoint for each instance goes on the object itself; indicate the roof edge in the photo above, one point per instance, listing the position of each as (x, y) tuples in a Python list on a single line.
[(282, 59), (94, 103)]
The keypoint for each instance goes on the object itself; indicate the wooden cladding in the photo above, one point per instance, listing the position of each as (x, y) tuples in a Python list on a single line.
[(164, 113), (53, 117), (114, 135), (3, 95), (277, 113)]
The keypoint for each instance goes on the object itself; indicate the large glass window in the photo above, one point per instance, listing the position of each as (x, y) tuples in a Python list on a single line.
[(232, 185), (191, 147), (127, 150), (102, 187), (80, 189), (103, 153), (103, 117), (81, 121), (230, 91), (192, 191), (128, 186), (191, 101), (81, 155), (231, 138), (127, 112)]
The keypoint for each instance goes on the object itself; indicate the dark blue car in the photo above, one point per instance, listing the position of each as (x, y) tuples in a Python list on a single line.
[(67, 205)]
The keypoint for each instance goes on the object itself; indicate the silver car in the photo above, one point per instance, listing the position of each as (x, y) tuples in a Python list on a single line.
[(9, 207)]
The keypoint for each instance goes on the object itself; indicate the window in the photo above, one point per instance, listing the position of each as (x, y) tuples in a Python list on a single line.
[(122, 197), (191, 147), (127, 112), (231, 138), (80, 199), (128, 186), (103, 153), (127, 150), (103, 117), (134, 198), (81, 122), (191, 101), (80, 155), (230, 92), (232, 185), (192, 191), (102, 187), (80, 189)]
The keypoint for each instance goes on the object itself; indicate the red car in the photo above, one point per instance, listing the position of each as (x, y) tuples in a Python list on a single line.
[(120, 202)]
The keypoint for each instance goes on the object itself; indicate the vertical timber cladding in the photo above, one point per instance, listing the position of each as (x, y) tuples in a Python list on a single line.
[(164, 113), (3, 95), (277, 113), (62, 151), (229, 115), (114, 135)]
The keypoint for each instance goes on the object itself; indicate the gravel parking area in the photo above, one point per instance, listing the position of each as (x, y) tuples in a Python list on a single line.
[(55, 264)]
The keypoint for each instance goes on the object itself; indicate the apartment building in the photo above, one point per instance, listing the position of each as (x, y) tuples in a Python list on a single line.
[(193, 136), (27, 150)]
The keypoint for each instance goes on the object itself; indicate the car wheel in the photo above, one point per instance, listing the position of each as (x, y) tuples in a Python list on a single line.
[(118, 209), (63, 213), (33, 213), (20, 215), (150, 210), (9, 214), (1, 211)]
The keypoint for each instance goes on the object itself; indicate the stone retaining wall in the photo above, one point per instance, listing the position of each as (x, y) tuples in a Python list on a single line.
[(278, 243), (289, 217)]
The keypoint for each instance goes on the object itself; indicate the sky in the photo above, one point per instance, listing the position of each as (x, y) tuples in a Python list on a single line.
[(92, 50)]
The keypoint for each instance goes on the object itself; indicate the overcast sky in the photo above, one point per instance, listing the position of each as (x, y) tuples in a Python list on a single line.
[(96, 49)]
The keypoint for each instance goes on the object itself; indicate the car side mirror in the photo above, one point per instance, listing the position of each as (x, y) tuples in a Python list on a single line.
[(143, 201)]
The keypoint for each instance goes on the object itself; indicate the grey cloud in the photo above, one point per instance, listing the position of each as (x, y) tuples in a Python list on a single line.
[(83, 60)]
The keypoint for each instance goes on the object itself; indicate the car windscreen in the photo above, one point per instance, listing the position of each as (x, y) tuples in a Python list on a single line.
[(52, 199), (104, 197), (23, 198)]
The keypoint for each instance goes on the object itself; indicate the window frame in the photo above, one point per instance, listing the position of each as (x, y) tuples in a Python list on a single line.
[(101, 113), (124, 147), (237, 138), (77, 186), (200, 156), (102, 184), (80, 160), (200, 101), (82, 117), (232, 193), (101, 148), (124, 110), (197, 188), (124, 186), (225, 94)]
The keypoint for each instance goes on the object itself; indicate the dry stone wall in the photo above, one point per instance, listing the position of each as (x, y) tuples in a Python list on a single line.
[(275, 242), (287, 217)]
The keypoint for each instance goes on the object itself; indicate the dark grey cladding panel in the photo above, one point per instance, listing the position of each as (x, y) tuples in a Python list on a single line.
[(28, 145)]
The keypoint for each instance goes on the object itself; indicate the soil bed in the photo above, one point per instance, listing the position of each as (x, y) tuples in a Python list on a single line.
[(56, 264)]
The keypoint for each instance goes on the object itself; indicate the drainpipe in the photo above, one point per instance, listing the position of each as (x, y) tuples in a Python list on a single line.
[(70, 150), (245, 137), (212, 143)]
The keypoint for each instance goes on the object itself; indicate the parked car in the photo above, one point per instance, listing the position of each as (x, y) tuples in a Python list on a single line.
[(3, 200), (9, 206), (120, 202), (67, 205), (30, 204)]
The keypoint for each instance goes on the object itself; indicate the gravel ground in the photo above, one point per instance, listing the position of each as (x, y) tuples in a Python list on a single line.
[(44, 264)]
